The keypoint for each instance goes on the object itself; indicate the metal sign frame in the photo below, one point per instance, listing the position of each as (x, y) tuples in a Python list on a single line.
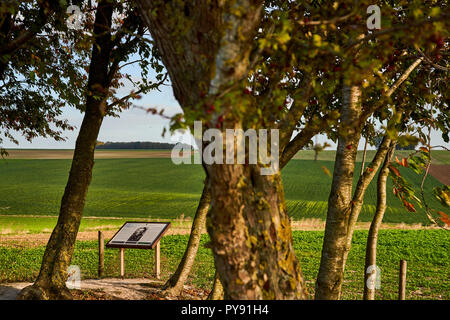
[(138, 246)]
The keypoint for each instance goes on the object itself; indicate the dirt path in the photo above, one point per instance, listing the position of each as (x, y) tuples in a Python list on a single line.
[(113, 289), (37, 239), (441, 173), (99, 154)]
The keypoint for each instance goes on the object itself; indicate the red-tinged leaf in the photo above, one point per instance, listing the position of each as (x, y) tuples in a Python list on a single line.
[(395, 171), (349, 147), (327, 172), (409, 206), (444, 218), (395, 190), (424, 149), (398, 161), (370, 169), (404, 162)]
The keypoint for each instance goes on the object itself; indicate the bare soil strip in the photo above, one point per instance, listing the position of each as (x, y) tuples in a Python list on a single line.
[(99, 154), (441, 173), (26, 240)]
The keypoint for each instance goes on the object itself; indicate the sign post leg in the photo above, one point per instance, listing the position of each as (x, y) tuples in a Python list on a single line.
[(101, 254), (157, 261), (402, 281), (122, 262)]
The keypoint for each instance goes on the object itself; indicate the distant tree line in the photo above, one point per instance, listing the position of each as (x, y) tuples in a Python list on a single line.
[(135, 145)]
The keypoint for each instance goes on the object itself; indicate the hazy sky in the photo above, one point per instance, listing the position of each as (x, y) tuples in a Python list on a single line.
[(135, 124)]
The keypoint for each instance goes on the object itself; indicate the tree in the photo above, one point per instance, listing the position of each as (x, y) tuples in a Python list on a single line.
[(416, 116), (319, 148), (176, 282), (248, 225), (372, 237), (286, 98), (343, 208), (36, 71), (17, 32), (295, 107), (109, 49)]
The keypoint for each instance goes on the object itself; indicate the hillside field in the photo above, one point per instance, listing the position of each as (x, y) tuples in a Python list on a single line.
[(142, 185), (156, 188)]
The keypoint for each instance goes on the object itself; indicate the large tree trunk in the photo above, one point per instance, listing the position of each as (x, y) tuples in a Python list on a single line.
[(176, 282), (50, 283), (251, 235), (371, 248), (247, 222)]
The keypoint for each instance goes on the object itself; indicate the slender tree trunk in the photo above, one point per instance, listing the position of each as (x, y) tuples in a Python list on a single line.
[(50, 283), (372, 238), (217, 289), (343, 211), (175, 284), (330, 277), (343, 208), (343, 217)]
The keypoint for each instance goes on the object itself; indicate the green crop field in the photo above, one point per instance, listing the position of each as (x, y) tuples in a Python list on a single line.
[(156, 188), (425, 250)]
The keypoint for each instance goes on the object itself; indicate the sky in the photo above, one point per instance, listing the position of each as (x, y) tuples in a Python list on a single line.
[(135, 124)]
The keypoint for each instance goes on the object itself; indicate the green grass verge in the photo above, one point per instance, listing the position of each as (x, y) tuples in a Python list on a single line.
[(426, 252)]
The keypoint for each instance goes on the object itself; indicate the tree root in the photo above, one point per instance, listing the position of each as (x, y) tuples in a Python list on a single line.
[(39, 292)]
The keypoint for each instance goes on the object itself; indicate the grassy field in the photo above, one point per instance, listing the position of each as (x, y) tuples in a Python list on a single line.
[(136, 187), (425, 250), (156, 188)]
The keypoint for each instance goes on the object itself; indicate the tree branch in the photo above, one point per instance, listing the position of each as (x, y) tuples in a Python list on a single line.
[(394, 29), (320, 22), (428, 60), (391, 90)]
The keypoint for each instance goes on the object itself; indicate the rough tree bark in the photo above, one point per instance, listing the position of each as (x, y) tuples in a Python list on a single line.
[(217, 289), (251, 236), (250, 231), (176, 282), (50, 283), (372, 238)]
